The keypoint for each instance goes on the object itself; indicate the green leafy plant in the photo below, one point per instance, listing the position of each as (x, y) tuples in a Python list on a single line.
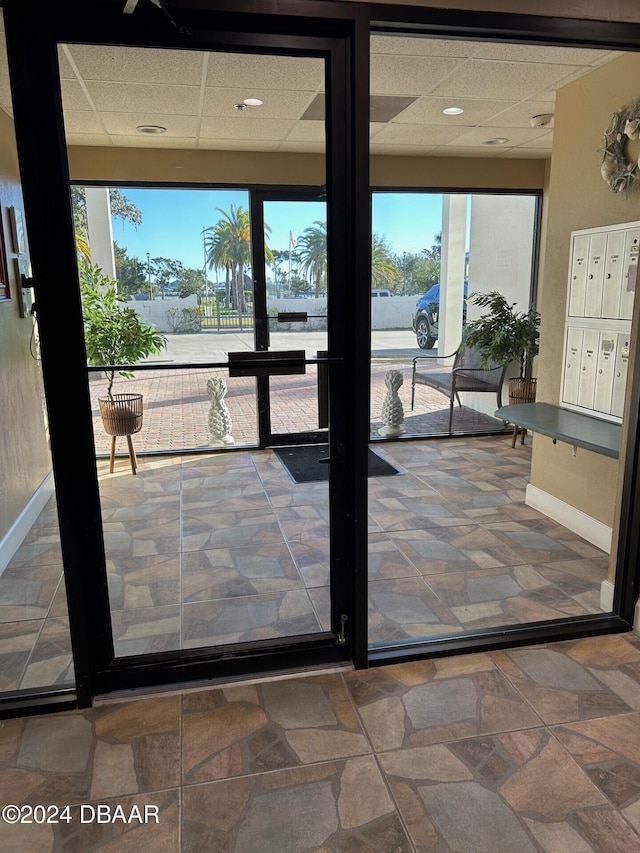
[(504, 334), (114, 334)]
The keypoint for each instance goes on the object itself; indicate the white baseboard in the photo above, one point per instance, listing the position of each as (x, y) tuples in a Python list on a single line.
[(606, 596), (568, 516), (12, 539)]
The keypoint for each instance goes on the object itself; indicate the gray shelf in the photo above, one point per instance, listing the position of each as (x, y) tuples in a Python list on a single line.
[(563, 425)]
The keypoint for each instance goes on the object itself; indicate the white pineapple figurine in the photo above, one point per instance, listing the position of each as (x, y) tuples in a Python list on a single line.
[(219, 415), (392, 411)]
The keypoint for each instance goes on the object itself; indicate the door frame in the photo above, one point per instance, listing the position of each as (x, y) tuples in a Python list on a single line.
[(293, 28), (257, 199)]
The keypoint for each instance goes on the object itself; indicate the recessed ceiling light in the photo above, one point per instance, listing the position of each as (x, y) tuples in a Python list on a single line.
[(453, 111), (253, 102), (498, 140), (151, 128)]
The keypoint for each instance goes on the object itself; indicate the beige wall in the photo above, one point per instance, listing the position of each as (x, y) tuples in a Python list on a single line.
[(136, 164), (24, 455), (578, 198)]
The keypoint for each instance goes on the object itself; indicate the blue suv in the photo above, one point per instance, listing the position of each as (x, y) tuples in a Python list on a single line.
[(425, 318)]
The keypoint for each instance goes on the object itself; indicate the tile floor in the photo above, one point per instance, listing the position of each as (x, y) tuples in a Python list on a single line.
[(218, 549), (532, 749)]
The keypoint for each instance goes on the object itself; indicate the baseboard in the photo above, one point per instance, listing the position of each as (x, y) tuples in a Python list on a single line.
[(568, 516), (606, 596), (12, 539)]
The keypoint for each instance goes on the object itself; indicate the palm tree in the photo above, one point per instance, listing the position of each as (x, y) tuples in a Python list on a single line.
[(313, 254), (383, 266), (228, 247)]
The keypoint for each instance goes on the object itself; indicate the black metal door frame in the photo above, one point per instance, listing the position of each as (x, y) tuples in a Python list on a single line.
[(290, 28), (257, 199)]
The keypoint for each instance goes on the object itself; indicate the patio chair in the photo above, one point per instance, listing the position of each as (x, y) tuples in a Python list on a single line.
[(465, 374)]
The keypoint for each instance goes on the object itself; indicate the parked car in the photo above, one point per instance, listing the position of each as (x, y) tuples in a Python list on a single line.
[(425, 317), (375, 293)]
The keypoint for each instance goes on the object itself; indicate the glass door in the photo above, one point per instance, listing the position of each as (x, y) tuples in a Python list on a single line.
[(234, 560), (292, 309)]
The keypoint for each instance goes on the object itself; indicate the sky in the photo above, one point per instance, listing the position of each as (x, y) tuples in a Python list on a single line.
[(173, 220)]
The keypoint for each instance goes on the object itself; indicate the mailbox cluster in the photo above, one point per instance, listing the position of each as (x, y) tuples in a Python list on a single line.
[(602, 282)]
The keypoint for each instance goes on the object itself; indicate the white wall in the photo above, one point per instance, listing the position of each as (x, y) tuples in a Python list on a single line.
[(500, 248), (387, 312), (155, 311)]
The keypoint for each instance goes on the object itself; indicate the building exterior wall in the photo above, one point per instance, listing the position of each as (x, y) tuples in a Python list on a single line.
[(24, 454)]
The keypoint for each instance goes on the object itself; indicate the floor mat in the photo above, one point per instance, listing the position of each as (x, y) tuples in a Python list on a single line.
[(304, 466)]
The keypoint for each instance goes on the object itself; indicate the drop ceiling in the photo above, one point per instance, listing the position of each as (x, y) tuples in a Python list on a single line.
[(110, 91)]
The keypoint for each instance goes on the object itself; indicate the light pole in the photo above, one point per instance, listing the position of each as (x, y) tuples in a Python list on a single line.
[(149, 275)]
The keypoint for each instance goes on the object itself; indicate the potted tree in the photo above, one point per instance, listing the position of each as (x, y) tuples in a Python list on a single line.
[(115, 335), (506, 335)]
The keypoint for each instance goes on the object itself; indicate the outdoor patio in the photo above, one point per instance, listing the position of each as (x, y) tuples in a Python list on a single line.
[(221, 548), (176, 404)]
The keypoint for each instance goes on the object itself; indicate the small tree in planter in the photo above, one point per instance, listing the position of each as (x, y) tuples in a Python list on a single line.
[(505, 335), (115, 334)]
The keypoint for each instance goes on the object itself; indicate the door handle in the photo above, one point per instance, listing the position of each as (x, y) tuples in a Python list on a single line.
[(282, 363)]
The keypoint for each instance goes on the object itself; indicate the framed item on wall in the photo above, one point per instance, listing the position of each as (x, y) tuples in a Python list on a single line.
[(4, 270), (18, 232)]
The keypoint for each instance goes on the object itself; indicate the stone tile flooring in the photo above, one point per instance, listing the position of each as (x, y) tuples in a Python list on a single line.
[(531, 749), (222, 548)]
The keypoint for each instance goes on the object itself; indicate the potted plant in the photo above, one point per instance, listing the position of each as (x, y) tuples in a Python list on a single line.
[(506, 335), (115, 335)]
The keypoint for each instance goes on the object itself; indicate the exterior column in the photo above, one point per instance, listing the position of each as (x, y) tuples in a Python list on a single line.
[(99, 229), (452, 270)]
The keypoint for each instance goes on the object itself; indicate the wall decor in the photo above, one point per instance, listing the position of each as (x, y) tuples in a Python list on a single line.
[(617, 169), (18, 232)]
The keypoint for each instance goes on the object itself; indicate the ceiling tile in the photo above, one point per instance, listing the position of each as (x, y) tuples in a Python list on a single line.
[(285, 104), (543, 141), (304, 147), (241, 70), (87, 139), (421, 46), (237, 145), (409, 75), (144, 97), (483, 152), (124, 124), (82, 121), (527, 153), (73, 96), (520, 115), (428, 110), (401, 150), (137, 64), (540, 53), (141, 141), (501, 80), (244, 127), (66, 70), (413, 134), (516, 135), (308, 131)]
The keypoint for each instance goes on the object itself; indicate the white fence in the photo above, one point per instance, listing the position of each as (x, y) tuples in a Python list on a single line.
[(387, 312)]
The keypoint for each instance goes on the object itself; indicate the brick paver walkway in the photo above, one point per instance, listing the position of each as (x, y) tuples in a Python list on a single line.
[(176, 404)]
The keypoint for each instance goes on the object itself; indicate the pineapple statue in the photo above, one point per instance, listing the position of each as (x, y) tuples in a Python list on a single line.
[(219, 415), (392, 411)]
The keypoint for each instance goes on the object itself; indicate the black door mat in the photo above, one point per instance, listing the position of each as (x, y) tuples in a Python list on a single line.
[(302, 463)]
